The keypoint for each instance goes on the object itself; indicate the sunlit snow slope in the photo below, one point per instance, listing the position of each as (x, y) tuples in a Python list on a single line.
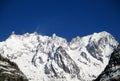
[(44, 58)]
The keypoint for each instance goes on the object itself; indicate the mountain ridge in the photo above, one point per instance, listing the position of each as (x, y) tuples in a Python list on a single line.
[(53, 58)]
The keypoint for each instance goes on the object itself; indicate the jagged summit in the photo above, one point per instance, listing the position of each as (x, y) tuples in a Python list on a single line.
[(103, 33), (77, 38), (47, 58)]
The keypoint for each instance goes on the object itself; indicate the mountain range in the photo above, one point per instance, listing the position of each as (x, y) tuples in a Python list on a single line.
[(53, 58)]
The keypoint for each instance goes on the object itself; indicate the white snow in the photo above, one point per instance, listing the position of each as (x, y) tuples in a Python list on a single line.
[(31, 51)]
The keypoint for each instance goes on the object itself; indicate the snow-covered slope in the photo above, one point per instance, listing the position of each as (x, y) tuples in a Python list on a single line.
[(112, 70), (44, 58)]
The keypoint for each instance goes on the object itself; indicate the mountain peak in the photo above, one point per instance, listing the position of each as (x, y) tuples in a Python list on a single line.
[(54, 35), (13, 33)]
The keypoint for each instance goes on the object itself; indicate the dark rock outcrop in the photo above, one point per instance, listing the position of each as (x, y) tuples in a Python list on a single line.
[(65, 62), (112, 70), (70, 66), (9, 71)]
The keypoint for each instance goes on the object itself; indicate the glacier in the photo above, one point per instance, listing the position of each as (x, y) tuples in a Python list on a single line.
[(52, 58)]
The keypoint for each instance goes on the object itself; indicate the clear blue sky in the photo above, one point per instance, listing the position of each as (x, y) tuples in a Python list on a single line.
[(66, 18)]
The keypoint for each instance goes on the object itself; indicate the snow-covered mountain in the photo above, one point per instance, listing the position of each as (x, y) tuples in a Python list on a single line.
[(44, 58)]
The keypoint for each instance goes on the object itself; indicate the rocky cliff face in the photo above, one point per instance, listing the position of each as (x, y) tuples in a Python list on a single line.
[(112, 70), (9, 71), (65, 63)]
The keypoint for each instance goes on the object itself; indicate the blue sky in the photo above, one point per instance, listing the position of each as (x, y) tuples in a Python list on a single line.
[(66, 18)]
